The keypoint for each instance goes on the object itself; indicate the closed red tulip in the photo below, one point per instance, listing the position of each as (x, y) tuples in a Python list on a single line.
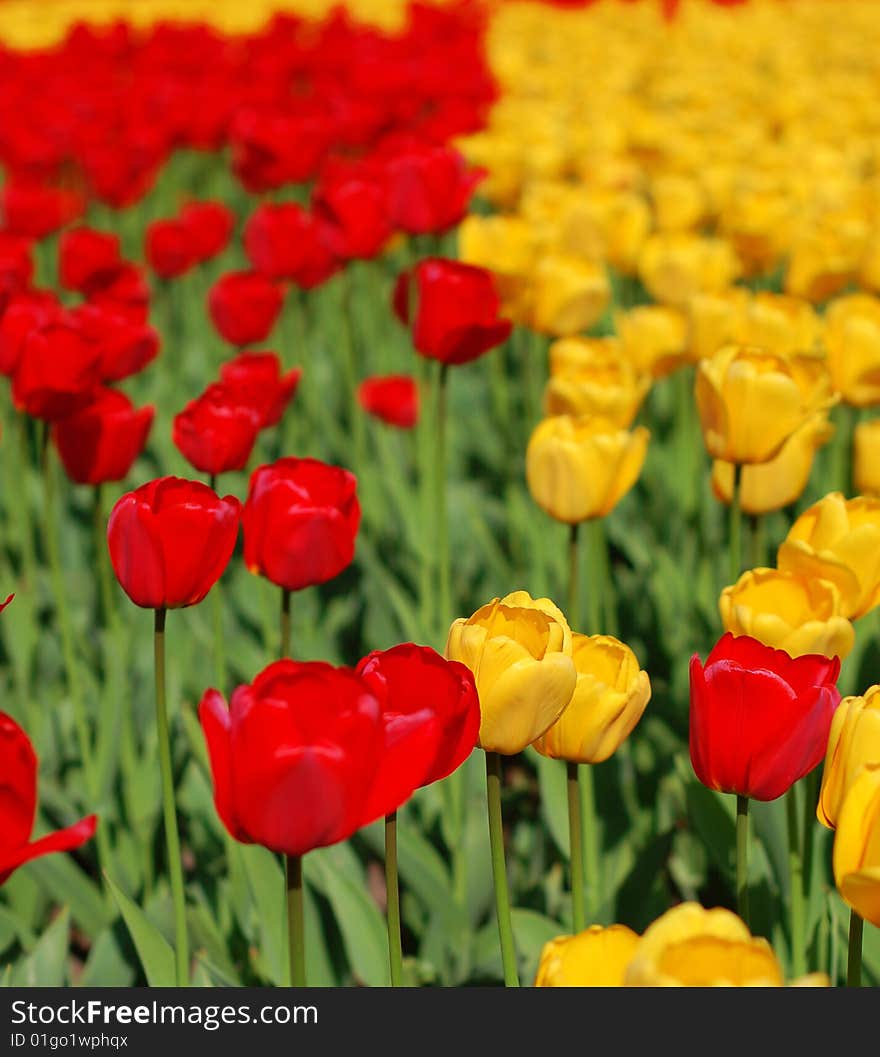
[(126, 345), (430, 719), (273, 146), (294, 756), (125, 291), (16, 266), (25, 312), (300, 522), (286, 241), (244, 307), (216, 432), (18, 804), (58, 371), (256, 380), (36, 210), (456, 310), (353, 203), (101, 442), (209, 227), (168, 248), (759, 719), (87, 259), (428, 187), (393, 399), (170, 541)]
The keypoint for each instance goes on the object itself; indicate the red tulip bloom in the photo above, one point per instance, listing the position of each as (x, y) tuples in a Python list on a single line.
[(294, 756), (428, 187), (58, 371), (125, 291), (168, 249), (87, 258), (300, 522), (393, 399), (456, 310), (273, 147), (256, 380), (18, 805), (216, 432), (430, 717), (209, 227), (126, 344), (16, 266), (759, 718), (170, 541), (353, 203), (35, 211), (25, 312), (287, 242), (244, 307), (101, 442)]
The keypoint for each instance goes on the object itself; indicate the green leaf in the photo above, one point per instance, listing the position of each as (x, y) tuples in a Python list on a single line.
[(154, 951), (266, 881), (63, 879), (46, 964)]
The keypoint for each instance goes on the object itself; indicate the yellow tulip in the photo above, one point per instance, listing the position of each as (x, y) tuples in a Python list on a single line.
[(653, 337), (838, 539), (596, 957), (689, 946), (751, 401), (675, 267), (854, 741), (856, 856), (852, 337), (820, 266), (714, 321), (501, 155), (787, 611), (866, 458), (590, 376), (679, 202), (504, 245), (608, 701), (568, 295), (779, 323), (519, 649), (627, 222), (578, 467), (772, 485), (759, 222)]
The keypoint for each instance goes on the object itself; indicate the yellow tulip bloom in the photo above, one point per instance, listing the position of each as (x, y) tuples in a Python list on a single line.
[(856, 856), (519, 649), (590, 376), (854, 741), (596, 957), (654, 338), (568, 295), (866, 458), (852, 337)]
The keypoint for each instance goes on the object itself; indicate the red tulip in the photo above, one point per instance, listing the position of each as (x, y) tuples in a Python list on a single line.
[(216, 432), (16, 266), (170, 541), (168, 249), (428, 187), (759, 718), (125, 291), (352, 201), (456, 310), (58, 371), (101, 442), (25, 312), (256, 380), (300, 521), (273, 147), (35, 211), (87, 258), (430, 717), (126, 345), (287, 242), (209, 226), (393, 399), (294, 756), (18, 804), (244, 307)]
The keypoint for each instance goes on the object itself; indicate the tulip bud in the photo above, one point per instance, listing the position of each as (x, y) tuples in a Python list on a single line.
[(854, 741), (579, 467), (856, 856), (852, 337), (596, 957)]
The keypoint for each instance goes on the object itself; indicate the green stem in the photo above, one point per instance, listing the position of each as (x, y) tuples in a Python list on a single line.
[(573, 609), (735, 526), (854, 954), (296, 946), (172, 837), (355, 415), (102, 558), (426, 471), (757, 554), (742, 857), (591, 840), (811, 797), (285, 624), (499, 869), (217, 615), (576, 849), (796, 878), (441, 512), (609, 600), (594, 590), (392, 889)]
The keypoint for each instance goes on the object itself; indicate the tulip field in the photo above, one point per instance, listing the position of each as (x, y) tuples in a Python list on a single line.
[(439, 493)]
